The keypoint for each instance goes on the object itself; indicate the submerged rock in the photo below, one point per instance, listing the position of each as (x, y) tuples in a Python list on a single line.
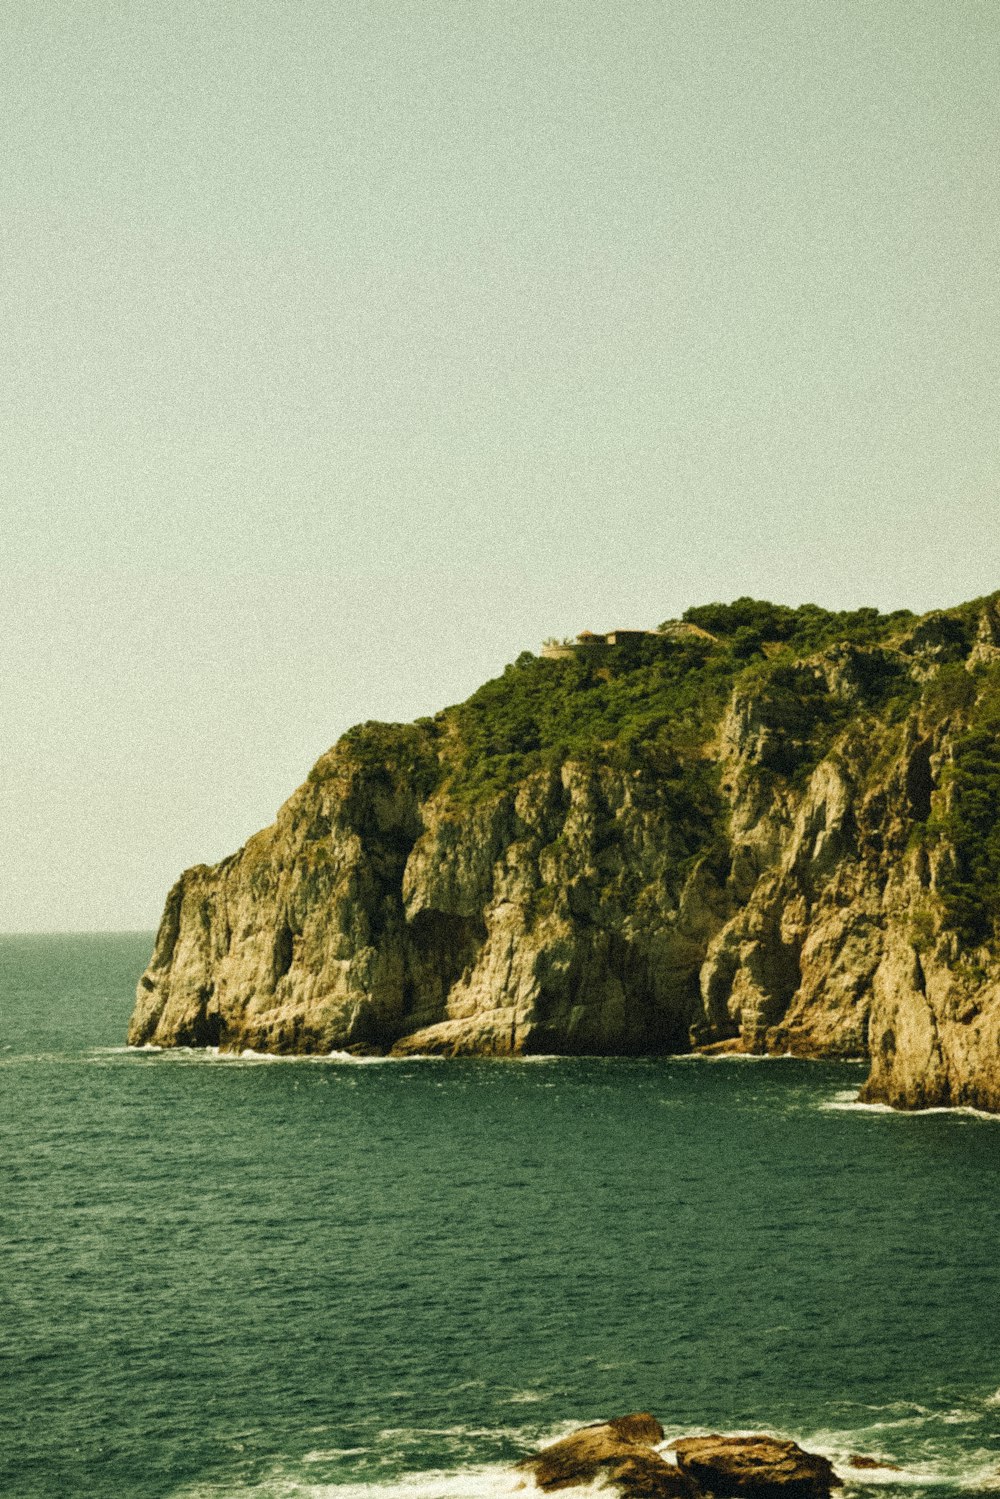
[(620, 1453), (754, 1467)]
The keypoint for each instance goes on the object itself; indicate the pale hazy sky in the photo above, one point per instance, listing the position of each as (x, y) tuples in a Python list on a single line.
[(351, 349)]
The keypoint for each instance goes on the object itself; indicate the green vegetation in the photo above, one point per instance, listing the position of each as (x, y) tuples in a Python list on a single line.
[(951, 690), (922, 928), (971, 887), (652, 703), (391, 753), (646, 708), (809, 676), (748, 623), (799, 715)]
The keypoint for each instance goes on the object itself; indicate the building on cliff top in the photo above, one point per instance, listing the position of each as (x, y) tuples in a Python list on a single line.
[(562, 650)]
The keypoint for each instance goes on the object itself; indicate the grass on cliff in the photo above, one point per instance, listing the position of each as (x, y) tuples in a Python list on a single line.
[(649, 705), (656, 702), (653, 706), (647, 708), (747, 625), (970, 886)]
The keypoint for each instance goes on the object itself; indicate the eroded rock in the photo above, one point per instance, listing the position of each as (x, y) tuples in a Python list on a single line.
[(754, 1467), (859, 1460), (624, 1454), (620, 1453)]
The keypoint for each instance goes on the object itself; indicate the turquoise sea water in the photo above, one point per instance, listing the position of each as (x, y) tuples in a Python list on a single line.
[(231, 1277)]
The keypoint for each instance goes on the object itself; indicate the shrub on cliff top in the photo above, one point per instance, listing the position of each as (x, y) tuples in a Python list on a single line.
[(664, 694), (807, 627), (971, 888), (602, 705)]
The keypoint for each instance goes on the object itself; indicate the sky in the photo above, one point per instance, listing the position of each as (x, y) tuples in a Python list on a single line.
[(351, 349)]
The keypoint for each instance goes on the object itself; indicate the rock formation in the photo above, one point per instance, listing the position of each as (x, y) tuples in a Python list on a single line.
[(769, 845), (623, 1455), (876, 1464), (754, 1467), (619, 1453)]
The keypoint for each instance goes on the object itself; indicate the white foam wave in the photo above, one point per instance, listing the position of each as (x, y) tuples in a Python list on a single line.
[(972, 1471), (502, 1481), (487, 1482), (331, 1454), (348, 1059), (966, 1471), (964, 1111), (847, 1102), (248, 1055), (527, 1438), (975, 1471), (740, 1056)]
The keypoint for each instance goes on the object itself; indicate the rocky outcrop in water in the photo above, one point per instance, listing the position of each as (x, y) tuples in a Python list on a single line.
[(787, 862), (754, 1467), (622, 1454)]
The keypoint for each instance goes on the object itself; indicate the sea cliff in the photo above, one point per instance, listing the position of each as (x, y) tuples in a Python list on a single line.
[(757, 829)]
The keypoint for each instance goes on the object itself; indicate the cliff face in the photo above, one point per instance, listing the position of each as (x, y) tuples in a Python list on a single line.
[(785, 880)]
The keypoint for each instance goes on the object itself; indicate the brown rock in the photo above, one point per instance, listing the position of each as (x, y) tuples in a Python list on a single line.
[(858, 1460), (754, 1467), (732, 1046), (640, 1427), (621, 1452)]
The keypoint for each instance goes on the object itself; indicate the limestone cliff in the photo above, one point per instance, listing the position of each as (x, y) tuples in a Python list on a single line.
[(761, 843)]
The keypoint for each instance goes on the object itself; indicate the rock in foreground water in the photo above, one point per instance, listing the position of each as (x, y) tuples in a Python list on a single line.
[(859, 1460), (621, 1453), (754, 1467)]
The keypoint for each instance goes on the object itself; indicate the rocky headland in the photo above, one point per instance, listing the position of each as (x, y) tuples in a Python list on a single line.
[(759, 828)]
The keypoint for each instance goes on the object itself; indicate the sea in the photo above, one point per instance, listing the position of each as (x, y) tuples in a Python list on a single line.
[(245, 1277)]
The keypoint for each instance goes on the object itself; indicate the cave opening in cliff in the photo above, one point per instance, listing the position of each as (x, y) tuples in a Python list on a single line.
[(920, 782), (284, 947)]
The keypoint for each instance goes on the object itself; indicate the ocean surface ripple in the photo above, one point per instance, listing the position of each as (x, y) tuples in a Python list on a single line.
[(224, 1277)]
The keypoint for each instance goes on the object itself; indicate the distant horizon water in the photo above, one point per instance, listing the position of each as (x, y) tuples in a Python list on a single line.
[(235, 1277)]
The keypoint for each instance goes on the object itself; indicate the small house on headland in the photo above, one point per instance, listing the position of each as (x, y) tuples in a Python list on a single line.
[(562, 650), (587, 640)]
